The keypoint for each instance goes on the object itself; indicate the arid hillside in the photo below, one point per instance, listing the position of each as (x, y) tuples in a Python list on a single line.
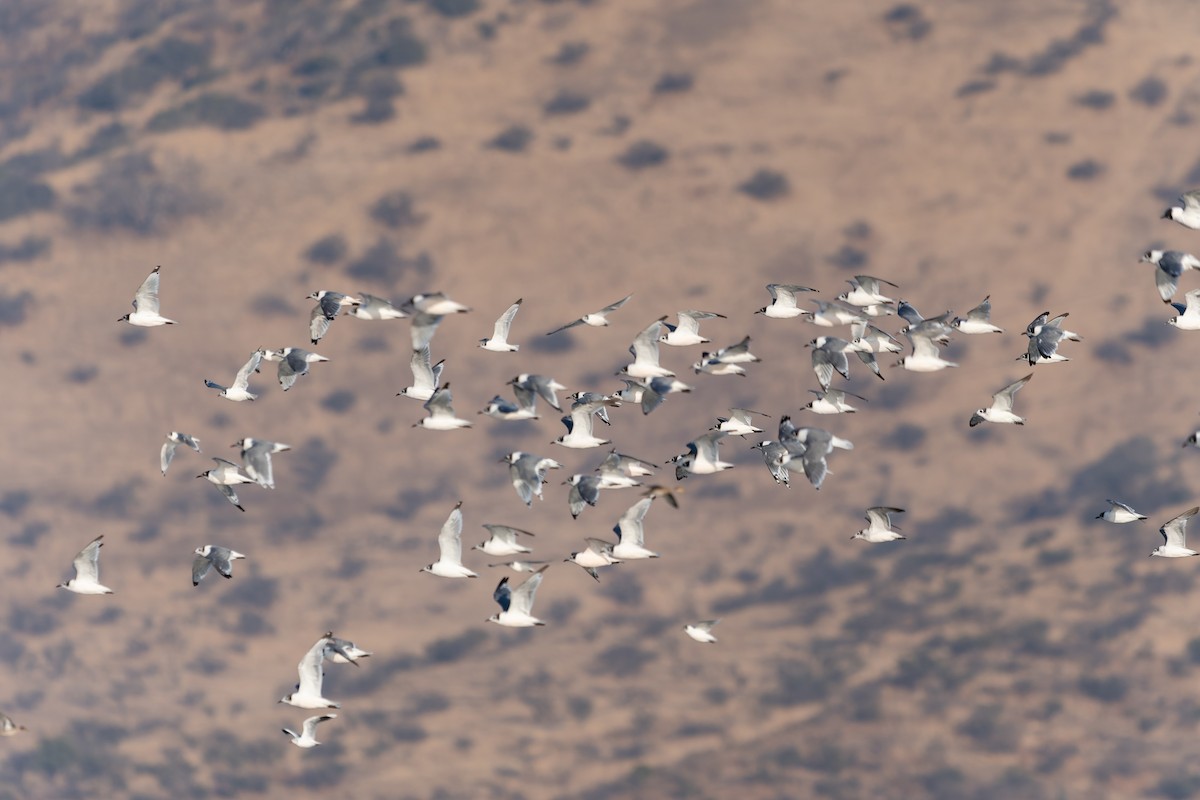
[(687, 152)]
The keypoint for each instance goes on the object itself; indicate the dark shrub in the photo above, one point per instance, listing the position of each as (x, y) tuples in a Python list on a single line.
[(570, 53), (1085, 170), (395, 210), (766, 184), (424, 144), (513, 139), (1110, 689), (327, 250), (454, 8), (567, 102), (643, 154), (1150, 91), (906, 21), (1096, 99), (673, 82)]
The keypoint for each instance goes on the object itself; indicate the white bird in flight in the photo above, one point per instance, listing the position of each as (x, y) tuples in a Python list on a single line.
[(1174, 534), (596, 319), (145, 305), (210, 556), (1001, 409), (240, 390), (702, 631), (174, 439), (449, 563), (309, 736), (1187, 212), (516, 605), (1120, 513), (307, 693), (498, 342), (87, 571), (879, 527)]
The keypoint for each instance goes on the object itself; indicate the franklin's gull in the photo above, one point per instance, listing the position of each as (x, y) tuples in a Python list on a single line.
[(311, 670), (1174, 535), (309, 736), (1120, 513), (145, 305), (776, 456), (8, 727), (598, 553), (240, 390), (498, 343), (520, 566), (596, 319), (739, 422), (256, 459), (546, 388), (528, 473), (579, 425), (645, 354), (342, 651), (441, 412), (866, 291), (832, 401), (631, 533), (225, 475), (879, 527), (584, 491), (211, 556), (811, 446), (371, 307), (619, 471), (293, 362), (326, 311), (516, 605), (503, 541), (783, 301), (687, 332), (87, 571), (1189, 315), (1187, 212), (174, 439), (702, 631), (925, 356), (1171, 264), (977, 320), (1001, 409), (425, 376), (449, 563)]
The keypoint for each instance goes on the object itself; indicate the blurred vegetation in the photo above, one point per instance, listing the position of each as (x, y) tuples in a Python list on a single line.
[(181, 60), (513, 139), (643, 154), (328, 249), (214, 109), (133, 193)]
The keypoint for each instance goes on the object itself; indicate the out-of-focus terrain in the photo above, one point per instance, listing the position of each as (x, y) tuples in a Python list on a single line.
[(570, 153)]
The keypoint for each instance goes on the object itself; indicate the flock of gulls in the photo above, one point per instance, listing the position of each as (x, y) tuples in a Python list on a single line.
[(647, 384)]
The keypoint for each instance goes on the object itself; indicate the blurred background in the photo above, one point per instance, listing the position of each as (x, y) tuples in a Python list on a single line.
[(570, 153)]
